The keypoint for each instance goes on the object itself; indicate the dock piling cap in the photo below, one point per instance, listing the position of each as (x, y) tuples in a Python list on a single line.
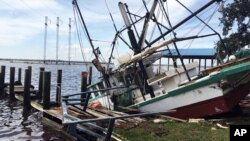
[(85, 74)]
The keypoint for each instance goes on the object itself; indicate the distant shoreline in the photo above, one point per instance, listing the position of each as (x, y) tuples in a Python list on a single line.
[(49, 61)]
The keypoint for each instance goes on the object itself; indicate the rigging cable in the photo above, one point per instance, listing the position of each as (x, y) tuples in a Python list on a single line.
[(114, 41), (208, 20), (153, 30), (200, 23), (86, 35), (193, 19), (79, 37)]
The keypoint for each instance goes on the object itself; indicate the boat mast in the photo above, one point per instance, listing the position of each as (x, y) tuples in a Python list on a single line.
[(160, 30), (148, 16), (45, 39), (85, 28), (137, 46), (96, 60)]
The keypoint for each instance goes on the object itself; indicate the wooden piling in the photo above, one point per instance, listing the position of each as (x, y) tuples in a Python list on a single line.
[(46, 89), (90, 75), (19, 79), (84, 81), (40, 83), (59, 86), (84, 84), (27, 84), (2, 80), (30, 68), (11, 86)]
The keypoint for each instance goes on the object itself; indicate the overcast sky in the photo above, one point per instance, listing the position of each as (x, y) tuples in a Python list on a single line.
[(22, 26)]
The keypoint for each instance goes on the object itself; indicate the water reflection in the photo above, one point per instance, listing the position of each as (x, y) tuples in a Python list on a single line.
[(16, 125)]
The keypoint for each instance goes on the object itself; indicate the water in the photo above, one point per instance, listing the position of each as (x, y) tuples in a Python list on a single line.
[(71, 75), (17, 125)]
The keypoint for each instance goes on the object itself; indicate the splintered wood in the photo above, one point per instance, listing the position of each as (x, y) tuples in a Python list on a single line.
[(104, 113)]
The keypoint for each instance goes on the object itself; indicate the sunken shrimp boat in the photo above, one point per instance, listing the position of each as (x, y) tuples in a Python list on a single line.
[(132, 83)]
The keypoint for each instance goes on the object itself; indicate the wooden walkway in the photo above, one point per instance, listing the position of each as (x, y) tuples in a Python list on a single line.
[(55, 113)]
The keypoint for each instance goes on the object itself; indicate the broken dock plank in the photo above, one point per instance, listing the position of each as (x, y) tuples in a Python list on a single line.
[(19, 89), (55, 112)]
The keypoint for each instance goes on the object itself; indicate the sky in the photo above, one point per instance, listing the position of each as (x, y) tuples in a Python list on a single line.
[(22, 27)]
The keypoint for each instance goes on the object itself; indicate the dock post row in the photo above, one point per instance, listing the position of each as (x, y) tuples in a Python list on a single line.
[(44, 86)]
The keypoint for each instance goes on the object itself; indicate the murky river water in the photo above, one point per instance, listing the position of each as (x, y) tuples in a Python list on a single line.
[(15, 125)]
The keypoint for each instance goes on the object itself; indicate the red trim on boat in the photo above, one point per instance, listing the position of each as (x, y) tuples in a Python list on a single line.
[(213, 106)]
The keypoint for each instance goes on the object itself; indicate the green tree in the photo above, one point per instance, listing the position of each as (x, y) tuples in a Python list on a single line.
[(235, 14)]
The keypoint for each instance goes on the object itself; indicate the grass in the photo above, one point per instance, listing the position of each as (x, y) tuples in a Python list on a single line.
[(174, 131)]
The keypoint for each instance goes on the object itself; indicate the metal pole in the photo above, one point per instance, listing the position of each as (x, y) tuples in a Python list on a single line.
[(149, 15), (69, 40), (86, 30), (45, 39), (136, 48), (159, 28), (223, 44), (183, 21), (57, 39), (91, 43), (174, 43)]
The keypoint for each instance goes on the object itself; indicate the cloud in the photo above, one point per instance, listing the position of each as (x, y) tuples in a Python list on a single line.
[(22, 26)]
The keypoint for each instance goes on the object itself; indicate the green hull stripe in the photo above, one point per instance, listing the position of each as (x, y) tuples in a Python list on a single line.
[(207, 80)]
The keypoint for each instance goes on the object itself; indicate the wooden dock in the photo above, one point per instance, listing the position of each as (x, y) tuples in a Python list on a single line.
[(55, 114), (79, 120)]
